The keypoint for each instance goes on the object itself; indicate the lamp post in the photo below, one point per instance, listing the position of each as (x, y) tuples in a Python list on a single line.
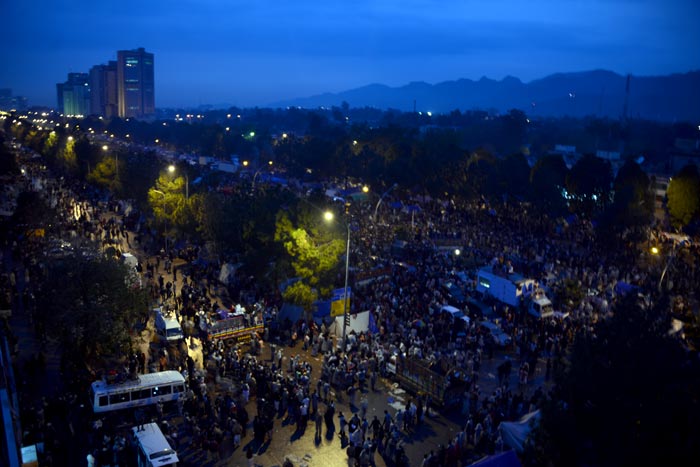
[(172, 169), (105, 148), (376, 208), (329, 217), (655, 251), (257, 172), (166, 218)]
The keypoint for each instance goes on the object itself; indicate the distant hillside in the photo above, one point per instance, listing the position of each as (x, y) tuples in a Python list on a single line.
[(601, 93)]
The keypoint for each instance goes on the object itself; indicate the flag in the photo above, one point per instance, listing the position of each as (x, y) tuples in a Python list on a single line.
[(337, 308), (372, 326)]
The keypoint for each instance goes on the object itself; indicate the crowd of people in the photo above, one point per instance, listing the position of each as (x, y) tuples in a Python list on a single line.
[(405, 302)]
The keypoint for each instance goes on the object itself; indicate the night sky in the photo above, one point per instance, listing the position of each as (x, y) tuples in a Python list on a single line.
[(257, 52)]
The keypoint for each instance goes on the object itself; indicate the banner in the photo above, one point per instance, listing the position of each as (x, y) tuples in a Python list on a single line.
[(337, 306)]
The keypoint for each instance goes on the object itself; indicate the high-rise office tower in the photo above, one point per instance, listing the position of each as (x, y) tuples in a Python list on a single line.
[(135, 84), (103, 90), (74, 95)]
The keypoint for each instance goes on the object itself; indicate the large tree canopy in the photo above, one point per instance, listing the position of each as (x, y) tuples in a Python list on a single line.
[(628, 397), (90, 305)]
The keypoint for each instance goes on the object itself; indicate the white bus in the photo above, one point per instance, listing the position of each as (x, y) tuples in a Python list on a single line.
[(147, 389), (153, 449)]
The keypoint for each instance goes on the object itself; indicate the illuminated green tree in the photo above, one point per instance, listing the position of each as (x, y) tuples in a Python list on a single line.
[(312, 252), (167, 200), (300, 294), (105, 175)]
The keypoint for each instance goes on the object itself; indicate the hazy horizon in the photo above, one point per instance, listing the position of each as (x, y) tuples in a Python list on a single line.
[(237, 53)]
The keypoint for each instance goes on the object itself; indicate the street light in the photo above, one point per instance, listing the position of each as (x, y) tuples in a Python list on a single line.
[(105, 148), (376, 208), (172, 169), (328, 216), (671, 256)]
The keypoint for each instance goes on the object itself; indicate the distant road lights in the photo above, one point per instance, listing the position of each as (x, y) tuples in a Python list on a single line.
[(245, 163), (365, 189), (270, 163), (354, 142), (70, 138), (228, 129), (157, 141), (251, 134), (105, 147), (654, 250), (284, 135), (430, 114), (458, 252)]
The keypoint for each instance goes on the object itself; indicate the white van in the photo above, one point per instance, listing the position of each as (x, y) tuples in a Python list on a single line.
[(167, 326)]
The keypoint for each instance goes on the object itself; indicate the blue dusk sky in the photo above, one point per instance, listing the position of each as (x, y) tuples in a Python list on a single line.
[(256, 52)]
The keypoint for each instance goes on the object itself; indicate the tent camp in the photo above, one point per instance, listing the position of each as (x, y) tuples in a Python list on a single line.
[(514, 434)]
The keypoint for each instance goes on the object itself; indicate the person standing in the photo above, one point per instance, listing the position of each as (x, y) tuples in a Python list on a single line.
[(319, 422)]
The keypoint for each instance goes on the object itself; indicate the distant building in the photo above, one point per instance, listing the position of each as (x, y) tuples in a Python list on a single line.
[(10, 102), (103, 90), (74, 95), (135, 83)]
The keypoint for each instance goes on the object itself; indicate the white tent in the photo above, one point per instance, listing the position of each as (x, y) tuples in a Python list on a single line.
[(227, 273), (514, 434)]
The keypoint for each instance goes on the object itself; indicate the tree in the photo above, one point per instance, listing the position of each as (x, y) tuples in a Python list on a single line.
[(684, 196), (514, 176), (589, 183), (628, 397), (105, 175), (90, 306), (313, 253), (300, 294), (547, 179), (167, 199), (633, 202)]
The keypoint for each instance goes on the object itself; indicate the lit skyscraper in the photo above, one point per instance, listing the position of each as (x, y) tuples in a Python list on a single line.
[(135, 83), (74, 95)]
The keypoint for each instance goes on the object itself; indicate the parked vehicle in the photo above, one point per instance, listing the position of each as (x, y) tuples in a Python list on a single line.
[(495, 333), (506, 287), (167, 326)]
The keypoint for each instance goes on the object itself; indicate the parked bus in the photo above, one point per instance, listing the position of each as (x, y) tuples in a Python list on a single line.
[(145, 390), (152, 447)]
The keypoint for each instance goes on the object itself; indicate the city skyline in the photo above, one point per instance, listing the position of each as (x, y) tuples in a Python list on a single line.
[(213, 52)]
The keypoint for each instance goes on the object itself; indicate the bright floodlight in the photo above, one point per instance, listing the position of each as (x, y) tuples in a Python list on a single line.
[(328, 216), (171, 168), (457, 252), (365, 189), (105, 147), (654, 250), (245, 163)]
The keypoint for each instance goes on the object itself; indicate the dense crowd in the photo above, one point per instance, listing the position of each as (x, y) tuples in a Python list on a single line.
[(405, 303)]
